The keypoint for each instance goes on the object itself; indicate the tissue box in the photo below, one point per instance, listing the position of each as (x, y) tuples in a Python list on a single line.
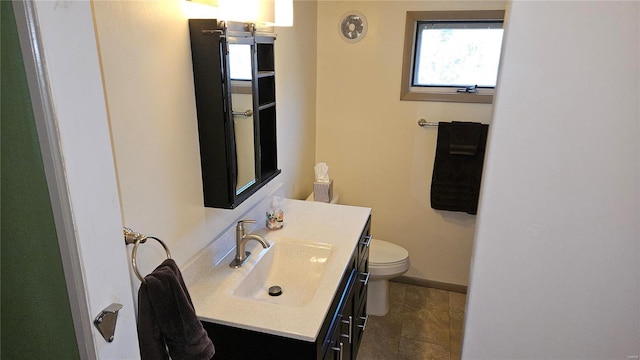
[(323, 191)]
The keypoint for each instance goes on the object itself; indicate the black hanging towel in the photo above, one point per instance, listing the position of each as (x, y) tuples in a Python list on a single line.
[(457, 170), (167, 319)]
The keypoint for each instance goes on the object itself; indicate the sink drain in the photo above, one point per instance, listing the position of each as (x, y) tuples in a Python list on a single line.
[(275, 291)]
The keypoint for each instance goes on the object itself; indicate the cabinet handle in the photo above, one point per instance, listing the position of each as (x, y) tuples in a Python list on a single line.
[(366, 277), (339, 350), (350, 327), (366, 241), (364, 325)]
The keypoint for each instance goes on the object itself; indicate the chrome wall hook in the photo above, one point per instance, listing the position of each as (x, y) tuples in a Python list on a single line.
[(106, 321)]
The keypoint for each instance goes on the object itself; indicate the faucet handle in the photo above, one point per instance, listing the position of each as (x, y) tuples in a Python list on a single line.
[(240, 225)]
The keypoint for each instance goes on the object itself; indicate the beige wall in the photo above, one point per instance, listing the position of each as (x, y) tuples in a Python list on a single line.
[(377, 154), (296, 57), (146, 62)]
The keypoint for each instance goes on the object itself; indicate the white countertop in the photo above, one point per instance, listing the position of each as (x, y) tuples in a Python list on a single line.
[(212, 288)]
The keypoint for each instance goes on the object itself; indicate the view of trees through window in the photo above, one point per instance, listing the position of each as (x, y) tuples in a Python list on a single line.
[(457, 56)]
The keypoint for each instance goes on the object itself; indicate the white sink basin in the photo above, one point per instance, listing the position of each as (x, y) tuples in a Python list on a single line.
[(296, 267)]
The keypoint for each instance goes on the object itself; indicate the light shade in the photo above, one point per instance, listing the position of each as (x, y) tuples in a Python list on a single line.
[(246, 10), (206, 2), (270, 12), (200, 9), (283, 13)]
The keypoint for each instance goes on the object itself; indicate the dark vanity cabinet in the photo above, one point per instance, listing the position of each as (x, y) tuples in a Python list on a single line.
[(339, 336), (347, 326), (234, 82)]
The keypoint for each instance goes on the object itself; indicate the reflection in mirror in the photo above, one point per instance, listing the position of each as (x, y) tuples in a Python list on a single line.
[(242, 110)]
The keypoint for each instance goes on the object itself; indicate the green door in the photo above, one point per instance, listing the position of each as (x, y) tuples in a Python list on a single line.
[(35, 317)]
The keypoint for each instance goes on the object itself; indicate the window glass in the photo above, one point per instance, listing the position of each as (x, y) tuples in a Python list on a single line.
[(458, 54), (451, 55)]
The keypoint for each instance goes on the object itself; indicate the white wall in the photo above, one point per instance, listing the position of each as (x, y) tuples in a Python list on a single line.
[(79, 127), (377, 154), (555, 269), (146, 63)]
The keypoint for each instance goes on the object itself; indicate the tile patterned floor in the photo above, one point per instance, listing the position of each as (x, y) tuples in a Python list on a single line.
[(422, 323)]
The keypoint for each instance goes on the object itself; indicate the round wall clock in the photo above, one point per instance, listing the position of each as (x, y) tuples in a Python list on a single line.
[(353, 26)]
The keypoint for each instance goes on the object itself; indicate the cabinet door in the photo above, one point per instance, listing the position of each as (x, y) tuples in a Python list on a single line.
[(359, 324), (214, 132), (341, 330), (360, 316), (347, 323), (336, 346)]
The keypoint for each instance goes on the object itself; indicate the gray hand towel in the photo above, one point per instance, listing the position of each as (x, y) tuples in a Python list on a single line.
[(167, 318)]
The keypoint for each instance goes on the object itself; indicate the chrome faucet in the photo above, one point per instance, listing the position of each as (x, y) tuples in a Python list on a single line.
[(241, 241)]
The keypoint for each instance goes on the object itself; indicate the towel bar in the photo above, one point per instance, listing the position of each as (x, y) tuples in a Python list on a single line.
[(131, 237), (423, 122), (247, 113)]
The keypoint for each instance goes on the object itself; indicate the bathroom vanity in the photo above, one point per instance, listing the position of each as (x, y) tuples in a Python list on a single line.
[(320, 259)]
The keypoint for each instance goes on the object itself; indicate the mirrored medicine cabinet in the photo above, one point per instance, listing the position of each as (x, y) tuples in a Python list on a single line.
[(234, 79)]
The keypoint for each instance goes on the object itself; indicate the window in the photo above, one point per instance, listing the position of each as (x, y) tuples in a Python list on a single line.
[(451, 55)]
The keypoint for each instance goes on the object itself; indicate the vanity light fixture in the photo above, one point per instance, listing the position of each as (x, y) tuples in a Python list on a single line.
[(200, 9), (268, 12), (206, 2), (283, 13)]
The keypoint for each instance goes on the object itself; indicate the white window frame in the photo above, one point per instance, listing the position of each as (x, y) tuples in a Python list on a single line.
[(439, 93)]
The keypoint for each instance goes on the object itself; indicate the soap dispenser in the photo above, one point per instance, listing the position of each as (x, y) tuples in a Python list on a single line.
[(275, 215)]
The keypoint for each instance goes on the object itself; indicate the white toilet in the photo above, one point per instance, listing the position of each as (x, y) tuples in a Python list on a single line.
[(386, 261)]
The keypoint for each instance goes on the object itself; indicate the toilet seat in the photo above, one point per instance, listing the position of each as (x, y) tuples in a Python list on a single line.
[(387, 260), (385, 253)]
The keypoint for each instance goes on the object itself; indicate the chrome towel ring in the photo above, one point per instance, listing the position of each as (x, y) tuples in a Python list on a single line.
[(131, 237)]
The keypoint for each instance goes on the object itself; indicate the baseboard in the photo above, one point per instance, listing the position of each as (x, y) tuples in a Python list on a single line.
[(431, 284)]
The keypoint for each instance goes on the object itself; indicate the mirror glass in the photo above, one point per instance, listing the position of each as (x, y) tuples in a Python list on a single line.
[(242, 110)]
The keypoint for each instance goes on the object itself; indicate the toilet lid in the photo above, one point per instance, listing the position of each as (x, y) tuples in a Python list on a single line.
[(382, 252)]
